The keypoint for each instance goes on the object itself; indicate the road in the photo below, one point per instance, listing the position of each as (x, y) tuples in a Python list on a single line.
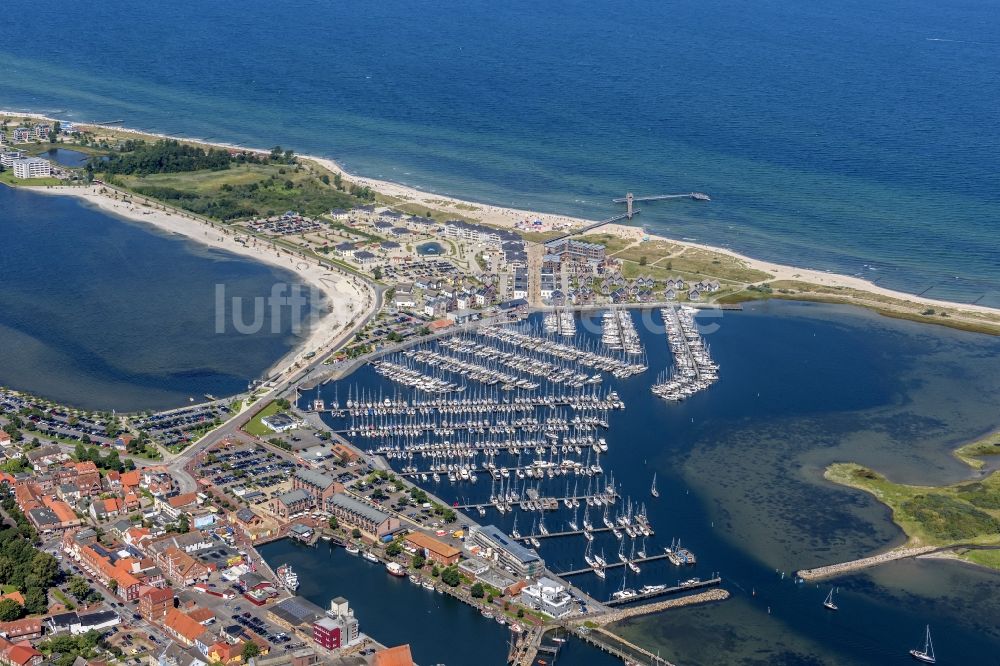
[(232, 427)]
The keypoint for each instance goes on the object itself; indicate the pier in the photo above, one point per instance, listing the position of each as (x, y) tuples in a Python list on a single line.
[(711, 582), (615, 565), (591, 227), (551, 535), (630, 199)]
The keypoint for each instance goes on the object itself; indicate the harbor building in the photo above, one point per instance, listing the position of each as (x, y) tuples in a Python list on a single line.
[(32, 167), (547, 596), (320, 486), (432, 549), (339, 628), (497, 546), (358, 514)]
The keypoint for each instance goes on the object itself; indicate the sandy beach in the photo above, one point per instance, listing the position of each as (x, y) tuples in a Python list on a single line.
[(345, 297), (499, 216)]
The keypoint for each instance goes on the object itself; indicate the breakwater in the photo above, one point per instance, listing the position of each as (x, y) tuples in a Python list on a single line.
[(863, 563)]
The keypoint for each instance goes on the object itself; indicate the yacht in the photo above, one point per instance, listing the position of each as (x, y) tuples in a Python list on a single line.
[(927, 654), (828, 602)]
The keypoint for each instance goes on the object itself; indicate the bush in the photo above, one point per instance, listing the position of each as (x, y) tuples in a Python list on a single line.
[(477, 591)]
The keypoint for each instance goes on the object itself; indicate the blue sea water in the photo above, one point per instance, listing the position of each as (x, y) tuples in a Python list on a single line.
[(102, 313), (857, 137)]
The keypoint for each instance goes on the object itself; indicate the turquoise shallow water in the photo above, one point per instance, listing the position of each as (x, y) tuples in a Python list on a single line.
[(852, 137)]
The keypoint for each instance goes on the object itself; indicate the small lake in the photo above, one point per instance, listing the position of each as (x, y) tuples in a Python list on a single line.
[(104, 313), (430, 249), (66, 157)]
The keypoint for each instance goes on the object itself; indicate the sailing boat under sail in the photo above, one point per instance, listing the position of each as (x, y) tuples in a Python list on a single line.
[(828, 603), (927, 654), (653, 491)]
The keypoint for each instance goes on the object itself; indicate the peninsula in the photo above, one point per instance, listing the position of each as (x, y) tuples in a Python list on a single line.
[(961, 519), (231, 196)]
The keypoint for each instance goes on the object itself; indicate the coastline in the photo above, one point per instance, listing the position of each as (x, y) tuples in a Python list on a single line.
[(343, 296), (827, 286)]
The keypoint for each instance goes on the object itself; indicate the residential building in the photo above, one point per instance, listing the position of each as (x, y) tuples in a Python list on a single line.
[(291, 504), (22, 134), (26, 629), (183, 628), (320, 486), (155, 603), (7, 158), (365, 517), (32, 167)]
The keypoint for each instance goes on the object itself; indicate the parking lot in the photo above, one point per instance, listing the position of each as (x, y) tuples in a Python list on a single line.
[(180, 426)]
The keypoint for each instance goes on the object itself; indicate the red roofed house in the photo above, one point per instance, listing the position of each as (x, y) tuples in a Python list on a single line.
[(19, 654), (394, 656), (27, 629), (183, 629), (155, 603), (88, 479)]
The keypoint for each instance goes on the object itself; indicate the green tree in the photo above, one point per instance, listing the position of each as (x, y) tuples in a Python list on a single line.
[(377, 273), (325, 178), (333, 522), (520, 612), (78, 587), (356, 533), (113, 585), (394, 549), (435, 571), (477, 591), (451, 577), (250, 650), (338, 181), (10, 610), (419, 561), (184, 523)]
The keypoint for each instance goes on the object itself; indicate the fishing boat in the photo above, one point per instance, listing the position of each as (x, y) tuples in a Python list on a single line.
[(927, 654), (653, 491), (828, 602), (352, 549)]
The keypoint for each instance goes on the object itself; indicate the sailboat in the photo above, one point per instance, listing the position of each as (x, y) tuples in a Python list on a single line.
[(927, 654), (828, 602), (653, 491)]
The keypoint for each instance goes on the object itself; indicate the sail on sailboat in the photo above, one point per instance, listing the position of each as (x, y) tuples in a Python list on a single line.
[(927, 654), (653, 491), (828, 603)]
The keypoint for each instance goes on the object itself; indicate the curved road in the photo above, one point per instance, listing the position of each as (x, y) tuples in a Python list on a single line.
[(232, 427)]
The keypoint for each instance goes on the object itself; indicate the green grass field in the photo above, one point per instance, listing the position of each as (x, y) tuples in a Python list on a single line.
[(255, 427), (242, 191), (961, 513)]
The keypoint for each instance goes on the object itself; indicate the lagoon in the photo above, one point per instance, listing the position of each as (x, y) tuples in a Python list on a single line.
[(100, 312)]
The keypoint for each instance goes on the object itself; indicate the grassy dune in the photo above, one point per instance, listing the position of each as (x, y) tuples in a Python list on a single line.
[(961, 514)]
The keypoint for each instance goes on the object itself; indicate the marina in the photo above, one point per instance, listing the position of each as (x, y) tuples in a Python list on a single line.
[(513, 424), (693, 369)]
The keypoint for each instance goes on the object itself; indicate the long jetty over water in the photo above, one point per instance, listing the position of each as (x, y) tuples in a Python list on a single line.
[(590, 227)]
